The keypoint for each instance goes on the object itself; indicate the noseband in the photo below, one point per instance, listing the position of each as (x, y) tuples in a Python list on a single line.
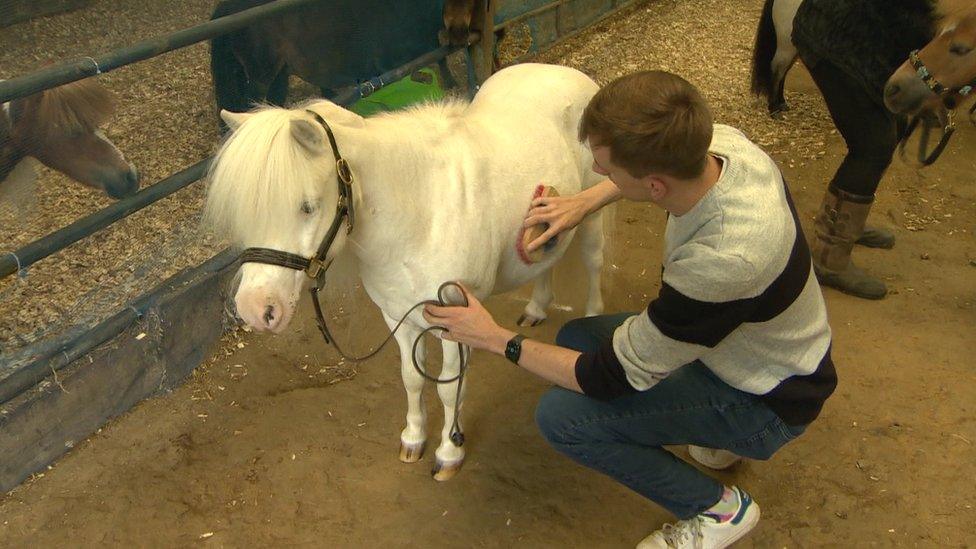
[(946, 116), (316, 265)]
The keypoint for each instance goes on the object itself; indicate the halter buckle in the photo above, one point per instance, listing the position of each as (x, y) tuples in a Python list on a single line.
[(315, 268), (342, 168)]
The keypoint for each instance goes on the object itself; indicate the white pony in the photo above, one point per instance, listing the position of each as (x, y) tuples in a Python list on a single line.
[(440, 192)]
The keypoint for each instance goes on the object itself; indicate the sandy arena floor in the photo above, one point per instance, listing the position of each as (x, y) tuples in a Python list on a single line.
[(276, 442)]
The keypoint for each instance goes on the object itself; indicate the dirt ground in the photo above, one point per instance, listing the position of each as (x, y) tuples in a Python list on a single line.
[(276, 442)]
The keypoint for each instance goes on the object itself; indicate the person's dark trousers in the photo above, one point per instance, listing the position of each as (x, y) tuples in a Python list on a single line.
[(624, 438), (870, 130)]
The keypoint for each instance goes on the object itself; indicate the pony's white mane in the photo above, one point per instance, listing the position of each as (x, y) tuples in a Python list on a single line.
[(428, 111), (261, 176)]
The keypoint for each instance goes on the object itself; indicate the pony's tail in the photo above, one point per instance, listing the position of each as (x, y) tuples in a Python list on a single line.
[(229, 78), (763, 53)]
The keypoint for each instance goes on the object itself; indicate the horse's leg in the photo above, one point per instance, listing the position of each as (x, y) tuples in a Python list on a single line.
[(449, 456), (414, 435), (278, 90), (591, 246), (535, 310), (783, 13), (229, 77), (447, 79), (782, 61)]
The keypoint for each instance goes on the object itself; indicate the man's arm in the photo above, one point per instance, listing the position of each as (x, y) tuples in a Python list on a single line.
[(550, 362), (474, 326)]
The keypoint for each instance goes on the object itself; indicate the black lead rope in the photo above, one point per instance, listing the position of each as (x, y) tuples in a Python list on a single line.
[(949, 98), (928, 123), (457, 437)]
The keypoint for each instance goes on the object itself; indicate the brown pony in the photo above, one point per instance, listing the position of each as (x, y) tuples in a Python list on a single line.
[(942, 72), (59, 127)]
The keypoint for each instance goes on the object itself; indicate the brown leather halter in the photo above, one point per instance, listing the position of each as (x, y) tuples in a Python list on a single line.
[(316, 265)]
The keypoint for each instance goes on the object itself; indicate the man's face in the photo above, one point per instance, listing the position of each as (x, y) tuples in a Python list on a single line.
[(632, 188)]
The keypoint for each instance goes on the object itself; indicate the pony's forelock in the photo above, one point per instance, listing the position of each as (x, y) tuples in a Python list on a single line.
[(78, 107), (259, 179)]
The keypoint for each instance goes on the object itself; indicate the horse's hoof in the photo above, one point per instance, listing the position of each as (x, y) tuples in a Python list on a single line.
[(777, 111), (411, 453), (529, 320), (446, 471)]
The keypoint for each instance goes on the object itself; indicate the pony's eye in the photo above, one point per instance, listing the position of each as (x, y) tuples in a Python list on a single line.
[(308, 207), (960, 49)]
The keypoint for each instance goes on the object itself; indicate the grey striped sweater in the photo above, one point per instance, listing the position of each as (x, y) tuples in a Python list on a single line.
[(738, 294)]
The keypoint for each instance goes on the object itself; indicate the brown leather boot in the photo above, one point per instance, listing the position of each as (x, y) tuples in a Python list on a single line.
[(837, 226)]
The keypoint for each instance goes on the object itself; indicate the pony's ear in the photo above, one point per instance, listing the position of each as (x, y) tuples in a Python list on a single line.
[(233, 119), (308, 135)]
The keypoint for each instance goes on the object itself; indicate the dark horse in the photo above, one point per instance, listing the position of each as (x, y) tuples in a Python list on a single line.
[(851, 48), (332, 45)]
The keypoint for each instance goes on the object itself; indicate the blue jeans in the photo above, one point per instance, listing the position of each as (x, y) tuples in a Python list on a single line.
[(624, 438)]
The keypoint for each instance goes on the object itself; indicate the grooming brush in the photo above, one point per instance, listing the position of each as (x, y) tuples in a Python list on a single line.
[(526, 236)]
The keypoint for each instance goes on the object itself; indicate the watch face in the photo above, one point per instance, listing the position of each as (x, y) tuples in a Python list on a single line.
[(513, 349)]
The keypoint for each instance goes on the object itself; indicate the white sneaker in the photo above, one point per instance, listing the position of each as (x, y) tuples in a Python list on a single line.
[(704, 532), (712, 458)]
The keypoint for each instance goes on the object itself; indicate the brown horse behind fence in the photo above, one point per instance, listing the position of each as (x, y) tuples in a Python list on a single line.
[(60, 128)]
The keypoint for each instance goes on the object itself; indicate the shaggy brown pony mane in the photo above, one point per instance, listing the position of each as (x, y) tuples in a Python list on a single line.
[(78, 107)]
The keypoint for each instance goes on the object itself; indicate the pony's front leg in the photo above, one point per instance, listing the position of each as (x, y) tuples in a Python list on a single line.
[(535, 310), (414, 435), (449, 456), (591, 247)]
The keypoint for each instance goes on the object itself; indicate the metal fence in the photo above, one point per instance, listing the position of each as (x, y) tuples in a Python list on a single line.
[(547, 23)]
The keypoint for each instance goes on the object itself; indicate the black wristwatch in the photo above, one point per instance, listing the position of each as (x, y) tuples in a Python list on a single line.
[(513, 349)]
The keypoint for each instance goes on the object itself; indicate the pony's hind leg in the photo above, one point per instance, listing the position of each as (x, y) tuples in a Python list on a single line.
[(592, 241), (783, 13), (782, 61), (414, 435), (535, 310), (450, 456)]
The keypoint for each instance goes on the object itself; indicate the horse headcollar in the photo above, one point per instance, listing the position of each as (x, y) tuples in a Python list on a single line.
[(316, 265), (945, 93)]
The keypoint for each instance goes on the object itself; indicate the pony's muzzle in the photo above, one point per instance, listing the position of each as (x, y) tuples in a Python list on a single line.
[(262, 311), (123, 184), (905, 95)]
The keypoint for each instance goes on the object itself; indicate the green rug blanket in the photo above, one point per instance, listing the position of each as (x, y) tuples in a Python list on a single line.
[(423, 85)]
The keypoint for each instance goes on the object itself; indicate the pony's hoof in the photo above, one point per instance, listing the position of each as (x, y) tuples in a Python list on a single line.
[(777, 111), (529, 320), (446, 471), (411, 453)]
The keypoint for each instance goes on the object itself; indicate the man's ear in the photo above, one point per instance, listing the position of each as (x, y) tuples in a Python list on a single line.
[(657, 186)]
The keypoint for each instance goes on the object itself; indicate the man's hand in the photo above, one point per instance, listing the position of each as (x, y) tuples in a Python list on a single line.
[(560, 212), (472, 325), (565, 212)]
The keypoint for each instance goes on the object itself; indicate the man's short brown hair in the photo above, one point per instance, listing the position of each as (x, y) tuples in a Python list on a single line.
[(653, 122)]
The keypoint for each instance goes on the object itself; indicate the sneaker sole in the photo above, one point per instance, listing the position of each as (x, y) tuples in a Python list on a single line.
[(715, 465)]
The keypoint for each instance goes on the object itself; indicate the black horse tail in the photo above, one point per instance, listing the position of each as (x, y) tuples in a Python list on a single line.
[(763, 53)]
